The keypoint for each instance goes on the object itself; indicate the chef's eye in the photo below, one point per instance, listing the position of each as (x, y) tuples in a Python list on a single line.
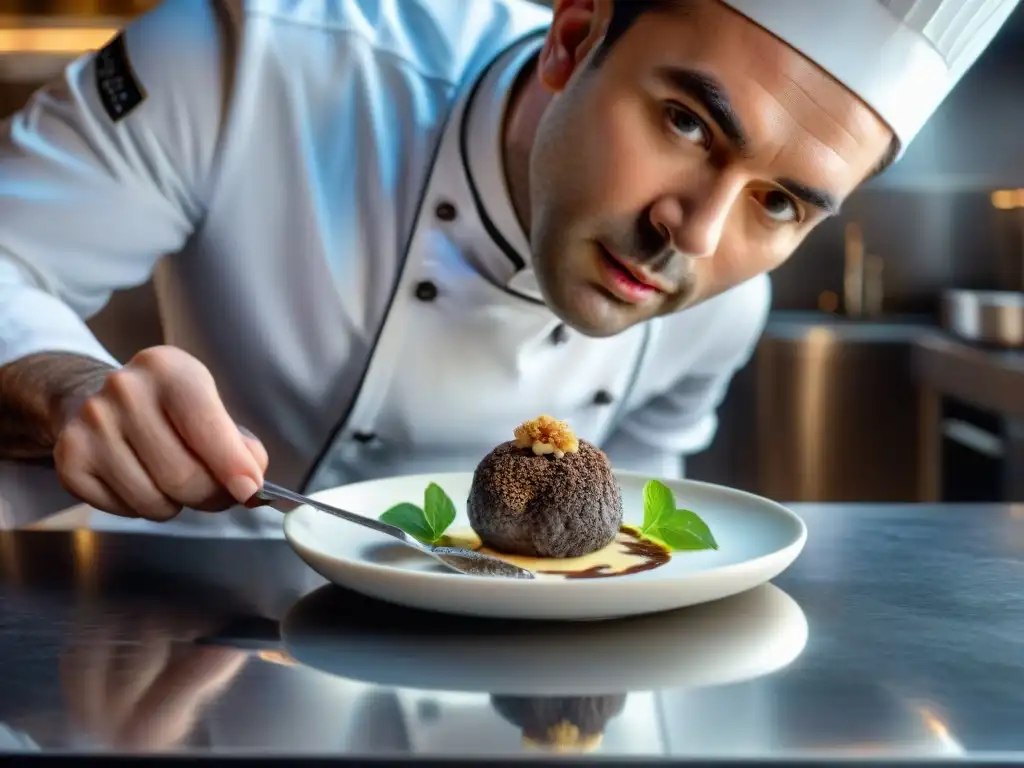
[(687, 125), (777, 205)]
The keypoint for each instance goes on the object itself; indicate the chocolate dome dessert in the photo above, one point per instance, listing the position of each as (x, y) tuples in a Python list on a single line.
[(545, 494)]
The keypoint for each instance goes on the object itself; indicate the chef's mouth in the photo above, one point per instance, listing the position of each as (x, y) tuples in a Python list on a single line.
[(644, 278)]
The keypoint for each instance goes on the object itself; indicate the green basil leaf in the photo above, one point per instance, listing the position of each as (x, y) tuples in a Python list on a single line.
[(684, 530), (438, 510), (695, 523), (658, 502), (410, 519)]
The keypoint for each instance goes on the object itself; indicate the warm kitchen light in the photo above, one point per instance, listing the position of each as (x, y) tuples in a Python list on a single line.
[(1004, 199), (277, 657), (1008, 199), (940, 730), (87, 572), (10, 557), (54, 40)]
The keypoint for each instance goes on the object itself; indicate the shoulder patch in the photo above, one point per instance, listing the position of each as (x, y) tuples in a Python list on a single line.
[(119, 89)]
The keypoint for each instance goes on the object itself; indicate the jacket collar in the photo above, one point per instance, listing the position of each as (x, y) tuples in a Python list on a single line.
[(508, 263)]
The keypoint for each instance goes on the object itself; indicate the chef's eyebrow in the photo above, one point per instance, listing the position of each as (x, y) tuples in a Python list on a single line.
[(714, 98), (819, 198)]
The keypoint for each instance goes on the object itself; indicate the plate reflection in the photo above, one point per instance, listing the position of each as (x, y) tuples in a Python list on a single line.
[(561, 685), (728, 641)]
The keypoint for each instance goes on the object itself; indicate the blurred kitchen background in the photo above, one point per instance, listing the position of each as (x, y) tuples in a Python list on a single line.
[(859, 390)]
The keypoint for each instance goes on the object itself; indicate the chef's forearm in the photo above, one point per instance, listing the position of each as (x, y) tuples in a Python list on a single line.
[(36, 393)]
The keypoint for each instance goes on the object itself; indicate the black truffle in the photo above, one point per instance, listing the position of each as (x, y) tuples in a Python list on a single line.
[(521, 503)]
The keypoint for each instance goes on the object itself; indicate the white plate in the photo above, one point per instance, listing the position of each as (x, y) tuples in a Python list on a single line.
[(757, 539), (721, 643)]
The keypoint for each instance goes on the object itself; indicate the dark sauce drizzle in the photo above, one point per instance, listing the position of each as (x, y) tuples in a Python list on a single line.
[(654, 556)]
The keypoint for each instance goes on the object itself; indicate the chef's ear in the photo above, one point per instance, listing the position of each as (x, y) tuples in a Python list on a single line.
[(577, 27)]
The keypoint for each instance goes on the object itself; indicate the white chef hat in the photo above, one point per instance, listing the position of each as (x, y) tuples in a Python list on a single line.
[(901, 57)]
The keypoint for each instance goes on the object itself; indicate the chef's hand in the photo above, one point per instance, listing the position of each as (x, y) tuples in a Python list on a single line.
[(155, 438)]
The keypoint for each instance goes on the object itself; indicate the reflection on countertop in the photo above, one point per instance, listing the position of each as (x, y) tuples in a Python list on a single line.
[(869, 643), (725, 642)]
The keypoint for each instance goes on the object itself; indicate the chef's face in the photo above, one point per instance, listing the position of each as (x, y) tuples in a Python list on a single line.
[(693, 154)]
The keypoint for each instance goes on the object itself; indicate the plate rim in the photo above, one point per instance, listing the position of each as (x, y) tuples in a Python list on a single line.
[(793, 548)]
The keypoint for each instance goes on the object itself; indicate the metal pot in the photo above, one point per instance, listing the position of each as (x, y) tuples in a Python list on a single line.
[(994, 318)]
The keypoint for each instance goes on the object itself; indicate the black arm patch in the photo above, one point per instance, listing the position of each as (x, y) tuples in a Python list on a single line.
[(119, 89)]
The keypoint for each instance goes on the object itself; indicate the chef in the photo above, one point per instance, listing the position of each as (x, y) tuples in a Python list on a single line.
[(383, 234)]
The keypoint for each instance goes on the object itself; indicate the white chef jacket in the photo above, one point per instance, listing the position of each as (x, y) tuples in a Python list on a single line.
[(316, 188)]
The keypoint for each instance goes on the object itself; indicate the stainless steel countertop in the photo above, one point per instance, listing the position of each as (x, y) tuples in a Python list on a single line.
[(899, 632), (798, 325)]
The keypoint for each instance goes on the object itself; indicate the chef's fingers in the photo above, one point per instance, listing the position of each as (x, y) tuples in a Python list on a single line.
[(101, 496), (121, 470), (173, 467), (258, 452), (111, 458), (196, 411), (188, 395), (96, 493), (74, 459)]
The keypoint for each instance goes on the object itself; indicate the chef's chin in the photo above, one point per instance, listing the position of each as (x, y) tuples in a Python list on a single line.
[(591, 310), (576, 287)]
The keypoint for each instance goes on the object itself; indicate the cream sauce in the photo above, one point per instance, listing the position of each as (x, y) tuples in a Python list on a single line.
[(627, 553)]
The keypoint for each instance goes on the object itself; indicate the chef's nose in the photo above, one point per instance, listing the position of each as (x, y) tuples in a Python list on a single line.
[(693, 219)]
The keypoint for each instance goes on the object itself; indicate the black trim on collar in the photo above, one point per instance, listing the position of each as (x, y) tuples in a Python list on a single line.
[(492, 231), (342, 423)]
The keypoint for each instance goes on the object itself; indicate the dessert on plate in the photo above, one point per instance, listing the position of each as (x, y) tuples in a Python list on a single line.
[(546, 493), (550, 503)]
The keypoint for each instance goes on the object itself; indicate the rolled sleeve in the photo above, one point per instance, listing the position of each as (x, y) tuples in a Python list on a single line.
[(90, 200)]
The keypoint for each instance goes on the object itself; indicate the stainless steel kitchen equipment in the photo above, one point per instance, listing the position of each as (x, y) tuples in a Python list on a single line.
[(853, 270), (837, 409), (973, 420), (992, 318)]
